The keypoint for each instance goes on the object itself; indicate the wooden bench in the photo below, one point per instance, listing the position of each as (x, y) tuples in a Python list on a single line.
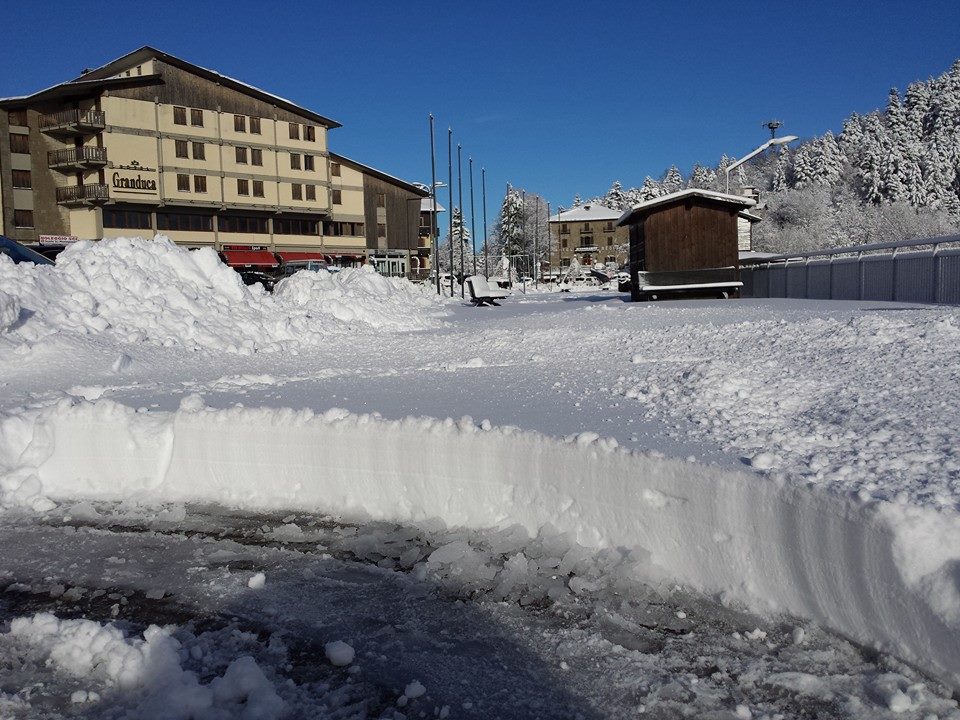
[(483, 292), (720, 282)]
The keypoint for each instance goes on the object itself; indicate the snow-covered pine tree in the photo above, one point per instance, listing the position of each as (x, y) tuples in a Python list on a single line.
[(672, 180), (508, 231), (615, 197), (702, 177), (462, 246), (650, 189)]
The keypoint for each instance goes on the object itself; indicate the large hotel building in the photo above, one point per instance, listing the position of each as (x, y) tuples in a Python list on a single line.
[(151, 143)]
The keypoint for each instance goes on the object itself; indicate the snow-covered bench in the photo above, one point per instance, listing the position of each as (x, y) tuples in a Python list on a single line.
[(708, 281), (483, 292)]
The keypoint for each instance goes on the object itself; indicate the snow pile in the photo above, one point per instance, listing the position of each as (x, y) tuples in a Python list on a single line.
[(843, 404), (156, 292), (150, 668), (361, 295), (881, 572)]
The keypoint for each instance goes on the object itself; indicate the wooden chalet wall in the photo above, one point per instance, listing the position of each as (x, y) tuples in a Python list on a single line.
[(402, 215), (693, 233)]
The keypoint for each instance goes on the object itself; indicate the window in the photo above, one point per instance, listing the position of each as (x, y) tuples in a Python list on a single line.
[(22, 179), (19, 143), (311, 192), (338, 229), (179, 116), (183, 182), (294, 131), (241, 155), (586, 226), (196, 117), (609, 242), (381, 200), (294, 161), (610, 226), (256, 156), (297, 190), (255, 125), (23, 218), (336, 197), (180, 148), (258, 188), (243, 187), (309, 133), (564, 243), (200, 183), (136, 219), (564, 228), (193, 222), (381, 230), (199, 151), (239, 123), (18, 117), (242, 224), (295, 226), (308, 162), (335, 169)]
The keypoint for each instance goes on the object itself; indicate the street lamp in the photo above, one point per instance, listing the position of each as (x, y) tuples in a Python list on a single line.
[(769, 143)]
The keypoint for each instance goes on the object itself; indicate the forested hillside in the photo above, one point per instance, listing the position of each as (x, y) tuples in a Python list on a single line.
[(889, 175)]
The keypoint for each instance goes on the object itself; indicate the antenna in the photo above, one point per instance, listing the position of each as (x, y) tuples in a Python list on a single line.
[(772, 126)]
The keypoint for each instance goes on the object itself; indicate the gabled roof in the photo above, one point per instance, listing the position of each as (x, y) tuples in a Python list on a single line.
[(379, 174), (586, 213), (105, 76), (719, 197), (80, 88)]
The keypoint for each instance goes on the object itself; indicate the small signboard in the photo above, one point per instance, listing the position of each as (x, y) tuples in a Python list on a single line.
[(57, 239)]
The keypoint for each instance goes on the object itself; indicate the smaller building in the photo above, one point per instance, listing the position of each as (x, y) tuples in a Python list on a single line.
[(589, 233), (427, 236), (687, 240)]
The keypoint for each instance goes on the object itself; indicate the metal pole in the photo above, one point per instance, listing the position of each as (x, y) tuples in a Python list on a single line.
[(450, 194), (523, 232), (536, 246), (473, 226), (549, 243), (460, 200), (483, 185), (433, 215)]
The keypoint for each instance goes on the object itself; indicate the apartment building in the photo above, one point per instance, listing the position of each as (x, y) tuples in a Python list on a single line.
[(151, 143), (588, 233)]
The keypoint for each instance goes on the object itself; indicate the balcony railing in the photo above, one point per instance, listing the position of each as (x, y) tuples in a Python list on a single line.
[(73, 122), (82, 194), (77, 157)]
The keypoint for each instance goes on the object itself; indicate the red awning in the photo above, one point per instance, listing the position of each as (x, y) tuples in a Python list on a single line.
[(260, 258), (301, 256)]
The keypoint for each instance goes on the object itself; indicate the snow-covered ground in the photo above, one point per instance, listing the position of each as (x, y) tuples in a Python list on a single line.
[(566, 506)]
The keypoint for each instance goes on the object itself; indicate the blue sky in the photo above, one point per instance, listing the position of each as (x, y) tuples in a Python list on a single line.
[(559, 98)]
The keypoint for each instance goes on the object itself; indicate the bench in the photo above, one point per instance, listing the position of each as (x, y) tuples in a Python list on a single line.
[(721, 282), (482, 292)]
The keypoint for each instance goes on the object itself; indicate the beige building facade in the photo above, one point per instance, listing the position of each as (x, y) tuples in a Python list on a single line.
[(150, 143), (588, 233)]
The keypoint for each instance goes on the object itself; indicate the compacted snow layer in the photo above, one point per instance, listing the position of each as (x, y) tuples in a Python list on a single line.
[(156, 292), (881, 572)]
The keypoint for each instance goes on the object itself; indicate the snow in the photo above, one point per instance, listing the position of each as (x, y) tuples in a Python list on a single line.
[(339, 653), (152, 291), (792, 464)]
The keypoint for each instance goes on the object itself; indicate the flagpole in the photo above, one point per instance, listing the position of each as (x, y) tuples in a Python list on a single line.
[(460, 196), (433, 215), (483, 185), (450, 194), (473, 224)]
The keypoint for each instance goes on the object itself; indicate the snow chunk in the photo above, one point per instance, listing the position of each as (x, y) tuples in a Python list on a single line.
[(414, 690), (257, 581), (339, 653)]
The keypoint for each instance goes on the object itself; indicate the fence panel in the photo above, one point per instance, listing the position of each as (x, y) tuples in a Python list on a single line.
[(818, 279), (915, 277), (948, 277), (845, 284), (796, 280), (777, 281), (877, 274)]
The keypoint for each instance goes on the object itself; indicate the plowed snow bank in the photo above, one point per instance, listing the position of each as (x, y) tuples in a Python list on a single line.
[(156, 292), (881, 572)]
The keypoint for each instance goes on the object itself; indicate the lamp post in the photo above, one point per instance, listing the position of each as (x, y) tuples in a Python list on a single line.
[(769, 143), (473, 226), (483, 185), (434, 231), (450, 193)]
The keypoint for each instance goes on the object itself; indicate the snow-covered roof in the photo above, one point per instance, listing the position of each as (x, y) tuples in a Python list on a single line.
[(586, 213), (426, 205), (629, 214), (366, 169), (749, 216), (754, 256), (147, 52)]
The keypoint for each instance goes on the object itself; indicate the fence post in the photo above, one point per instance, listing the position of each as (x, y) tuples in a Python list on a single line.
[(860, 276), (806, 278), (769, 281), (893, 260), (830, 279), (936, 272)]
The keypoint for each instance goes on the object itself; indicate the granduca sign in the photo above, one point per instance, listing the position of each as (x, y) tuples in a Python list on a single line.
[(137, 183), (134, 185)]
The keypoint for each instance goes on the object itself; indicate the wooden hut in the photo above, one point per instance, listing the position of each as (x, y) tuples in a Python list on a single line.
[(685, 242)]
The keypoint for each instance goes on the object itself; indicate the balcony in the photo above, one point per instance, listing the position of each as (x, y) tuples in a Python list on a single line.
[(82, 194), (69, 123), (77, 158), (587, 247)]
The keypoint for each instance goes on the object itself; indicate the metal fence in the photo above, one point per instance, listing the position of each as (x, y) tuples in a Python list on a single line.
[(923, 271)]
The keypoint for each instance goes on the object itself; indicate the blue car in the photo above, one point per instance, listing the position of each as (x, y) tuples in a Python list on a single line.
[(21, 253)]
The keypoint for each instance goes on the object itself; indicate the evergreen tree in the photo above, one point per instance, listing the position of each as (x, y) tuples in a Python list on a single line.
[(615, 197), (462, 246), (508, 232), (672, 180)]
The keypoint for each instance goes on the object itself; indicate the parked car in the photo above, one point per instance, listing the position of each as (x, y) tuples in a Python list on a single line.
[(21, 253), (296, 266)]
